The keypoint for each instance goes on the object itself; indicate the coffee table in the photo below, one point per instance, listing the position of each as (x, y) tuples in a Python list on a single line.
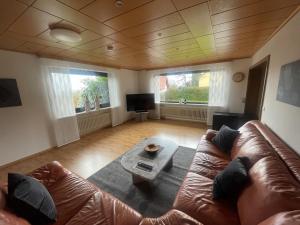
[(162, 159)]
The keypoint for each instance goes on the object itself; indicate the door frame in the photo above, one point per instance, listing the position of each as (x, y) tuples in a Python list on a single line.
[(263, 60)]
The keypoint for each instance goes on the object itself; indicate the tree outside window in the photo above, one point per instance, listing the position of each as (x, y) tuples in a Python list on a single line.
[(89, 90), (190, 87)]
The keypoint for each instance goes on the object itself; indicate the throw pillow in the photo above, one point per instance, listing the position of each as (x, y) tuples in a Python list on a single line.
[(229, 182), (30, 199), (225, 138)]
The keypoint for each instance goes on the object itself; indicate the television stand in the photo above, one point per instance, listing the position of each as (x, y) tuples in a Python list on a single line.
[(141, 116)]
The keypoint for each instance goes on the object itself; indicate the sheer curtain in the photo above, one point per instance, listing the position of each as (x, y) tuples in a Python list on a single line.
[(156, 90), (59, 89), (114, 96), (218, 89)]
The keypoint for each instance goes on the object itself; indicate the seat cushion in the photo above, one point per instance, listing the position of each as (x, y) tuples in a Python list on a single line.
[(173, 217), (102, 208), (195, 199), (207, 165), (283, 218), (272, 189)]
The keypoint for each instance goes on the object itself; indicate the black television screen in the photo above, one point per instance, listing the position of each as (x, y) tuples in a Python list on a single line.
[(140, 102), (9, 93)]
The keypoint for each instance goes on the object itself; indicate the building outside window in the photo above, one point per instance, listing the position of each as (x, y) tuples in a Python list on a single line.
[(89, 89), (188, 87)]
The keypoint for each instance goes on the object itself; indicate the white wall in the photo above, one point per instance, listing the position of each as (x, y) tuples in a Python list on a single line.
[(26, 129), (128, 83), (282, 118), (237, 91)]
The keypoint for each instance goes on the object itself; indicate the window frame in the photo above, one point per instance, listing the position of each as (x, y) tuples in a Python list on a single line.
[(77, 71), (182, 73)]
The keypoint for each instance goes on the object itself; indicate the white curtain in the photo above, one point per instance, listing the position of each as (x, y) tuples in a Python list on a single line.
[(156, 90), (219, 85), (59, 89), (114, 97)]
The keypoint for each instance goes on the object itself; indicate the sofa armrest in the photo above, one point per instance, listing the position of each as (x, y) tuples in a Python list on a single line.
[(50, 173), (173, 217), (210, 134), (283, 218)]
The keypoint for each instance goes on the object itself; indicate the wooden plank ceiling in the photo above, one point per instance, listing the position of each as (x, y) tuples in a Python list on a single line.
[(145, 34)]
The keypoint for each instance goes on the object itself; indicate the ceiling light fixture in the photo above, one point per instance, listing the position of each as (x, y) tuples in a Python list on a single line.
[(110, 47), (119, 3), (65, 35)]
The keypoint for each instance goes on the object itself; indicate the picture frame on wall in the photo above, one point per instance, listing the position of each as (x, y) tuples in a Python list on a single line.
[(289, 84), (9, 93)]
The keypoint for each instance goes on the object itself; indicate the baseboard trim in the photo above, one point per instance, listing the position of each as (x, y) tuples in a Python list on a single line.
[(26, 157)]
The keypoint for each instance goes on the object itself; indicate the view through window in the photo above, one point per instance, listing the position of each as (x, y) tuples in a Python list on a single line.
[(189, 87), (89, 87)]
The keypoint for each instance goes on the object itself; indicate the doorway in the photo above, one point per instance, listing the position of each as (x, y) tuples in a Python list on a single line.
[(256, 88)]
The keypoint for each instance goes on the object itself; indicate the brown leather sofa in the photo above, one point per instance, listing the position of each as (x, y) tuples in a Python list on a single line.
[(272, 196)]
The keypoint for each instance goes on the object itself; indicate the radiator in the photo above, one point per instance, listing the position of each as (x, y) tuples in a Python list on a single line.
[(184, 112), (94, 120)]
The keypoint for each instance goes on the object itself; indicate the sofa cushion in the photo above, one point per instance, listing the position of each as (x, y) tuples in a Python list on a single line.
[(30, 199), (272, 189), (224, 138), (250, 143), (288, 155), (207, 165), (229, 182), (195, 199), (283, 218), (173, 217), (102, 208)]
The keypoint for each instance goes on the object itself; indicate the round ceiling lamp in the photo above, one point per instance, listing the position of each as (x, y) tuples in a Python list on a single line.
[(119, 3), (110, 47), (65, 35)]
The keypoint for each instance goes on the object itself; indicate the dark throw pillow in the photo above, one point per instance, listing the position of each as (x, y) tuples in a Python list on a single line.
[(229, 182), (30, 199), (224, 138)]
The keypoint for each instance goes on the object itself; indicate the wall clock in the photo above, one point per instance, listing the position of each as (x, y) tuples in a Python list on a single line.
[(238, 77)]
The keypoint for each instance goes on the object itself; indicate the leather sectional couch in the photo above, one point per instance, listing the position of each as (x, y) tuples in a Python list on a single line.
[(272, 196)]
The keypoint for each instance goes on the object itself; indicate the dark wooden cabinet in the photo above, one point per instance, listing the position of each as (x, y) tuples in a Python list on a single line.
[(232, 120)]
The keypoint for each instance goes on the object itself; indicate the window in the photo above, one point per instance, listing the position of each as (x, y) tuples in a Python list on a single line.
[(89, 88), (188, 87)]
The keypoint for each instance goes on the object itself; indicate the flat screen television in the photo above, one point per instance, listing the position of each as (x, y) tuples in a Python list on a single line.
[(140, 102), (9, 93)]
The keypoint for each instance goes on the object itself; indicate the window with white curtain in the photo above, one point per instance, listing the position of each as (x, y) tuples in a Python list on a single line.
[(185, 87), (89, 86)]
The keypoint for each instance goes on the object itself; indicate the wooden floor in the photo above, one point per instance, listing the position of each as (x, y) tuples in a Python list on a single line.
[(96, 150)]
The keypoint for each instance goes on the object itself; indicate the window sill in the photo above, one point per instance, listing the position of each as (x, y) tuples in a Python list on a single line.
[(182, 105), (94, 111)]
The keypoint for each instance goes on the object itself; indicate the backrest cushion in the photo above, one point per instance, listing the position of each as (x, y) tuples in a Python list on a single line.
[(272, 189), (250, 143)]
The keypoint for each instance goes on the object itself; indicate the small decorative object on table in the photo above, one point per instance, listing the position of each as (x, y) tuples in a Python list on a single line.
[(151, 148)]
